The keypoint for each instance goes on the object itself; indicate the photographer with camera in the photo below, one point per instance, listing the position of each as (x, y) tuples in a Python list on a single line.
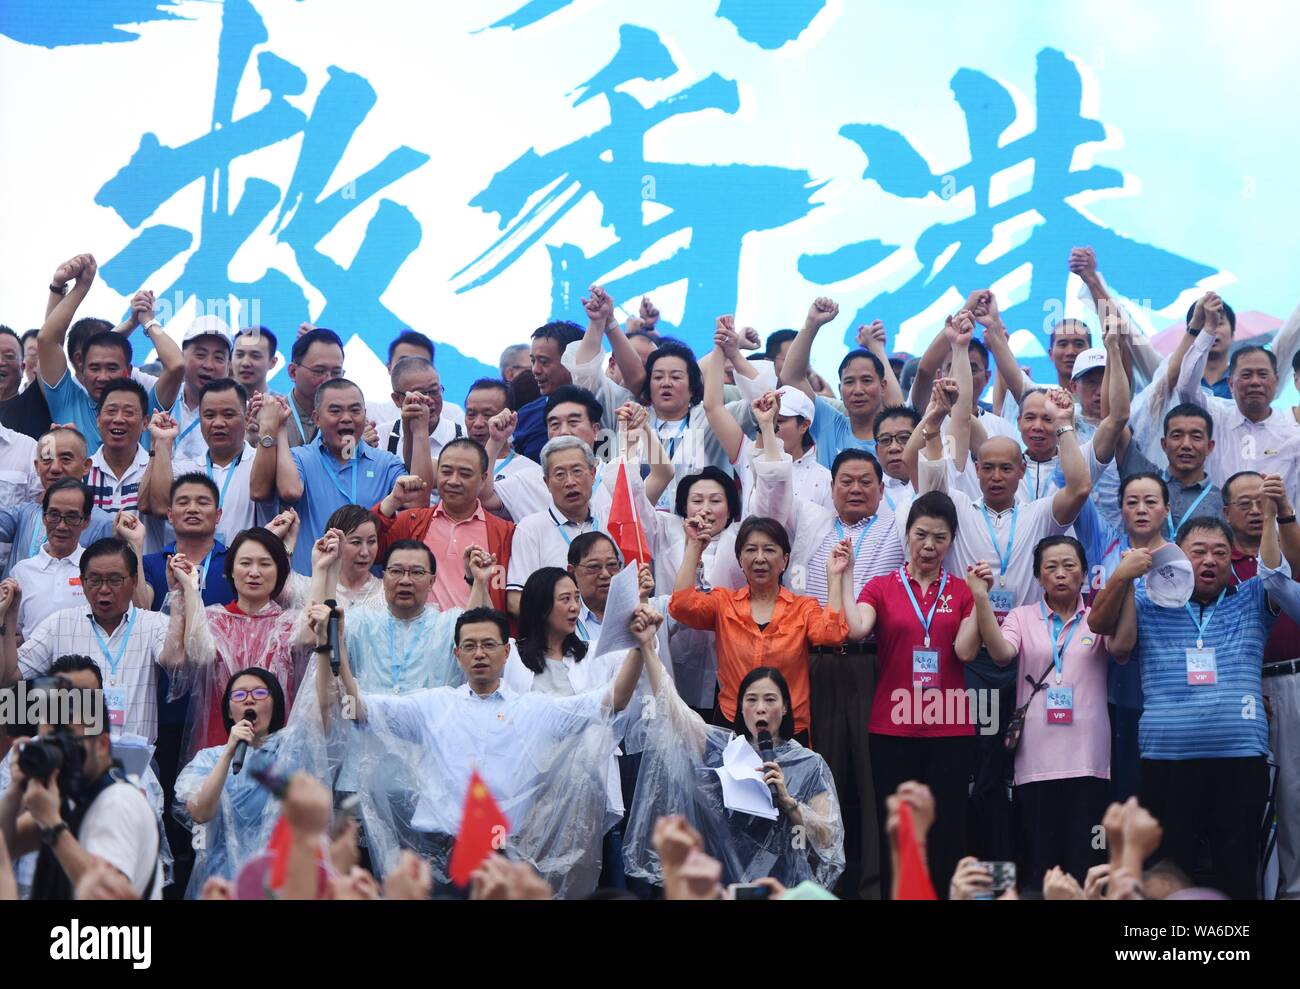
[(69, 799)]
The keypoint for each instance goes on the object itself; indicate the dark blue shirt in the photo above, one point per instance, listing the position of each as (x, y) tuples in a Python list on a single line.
[(216, 589), (530, 429)]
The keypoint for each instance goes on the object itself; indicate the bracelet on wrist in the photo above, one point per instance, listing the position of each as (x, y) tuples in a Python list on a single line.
[(58, 289)]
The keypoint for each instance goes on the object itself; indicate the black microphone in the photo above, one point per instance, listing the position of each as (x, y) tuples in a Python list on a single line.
[(332, 635), (765, 753), (241, 749)]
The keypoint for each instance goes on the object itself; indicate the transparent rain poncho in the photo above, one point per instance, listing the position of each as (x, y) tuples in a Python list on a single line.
[(677, 777), (544, 759), (247, 813), (219, 643)]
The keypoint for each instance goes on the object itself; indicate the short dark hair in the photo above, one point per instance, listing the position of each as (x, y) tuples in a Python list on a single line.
[(1224, 491), (269, 681), (33, 334), (650, 335), (978, 347), (5, 331), (694, 379), (414, 339), (1295, 361), (771, 528), (786, 731), (260, 331), (484, 384), (336, 384), (1047, 542), (349, 518), (1190, 409), (304, 342), (582, 545), (69, 484), (863, 354), (578, 396), (218, 385), (1227, 311), (1144, 475), (775, 340), (1051, 336), (474, 616), (402, 545), (110, 546), (1241, 352), (561, 331), (850, 453), (270, 542), (124, 384), (933, 505), (465, 441), (82, 330), (194, 477), (896, 412), (709, 473), (535, 606), (1203, 523), (74, 663), (114, 341)]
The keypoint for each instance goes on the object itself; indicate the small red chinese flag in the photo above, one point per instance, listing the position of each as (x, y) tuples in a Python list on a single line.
[(913, 876), (624, 525), (278, 849), (482, 828)]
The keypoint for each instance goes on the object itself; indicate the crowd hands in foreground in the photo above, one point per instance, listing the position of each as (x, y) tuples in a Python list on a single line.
[(936, 544)]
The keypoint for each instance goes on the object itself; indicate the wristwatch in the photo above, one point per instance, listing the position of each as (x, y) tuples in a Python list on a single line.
[(322, 649), (50, 836), (266, 441), (58, 289), (1063, 429), (151, 324), (1281, 520)]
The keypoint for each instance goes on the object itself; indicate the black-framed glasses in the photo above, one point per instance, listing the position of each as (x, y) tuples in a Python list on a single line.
[(55, 518), (257, 694), (595, 566), (96, 581), (415, 573)]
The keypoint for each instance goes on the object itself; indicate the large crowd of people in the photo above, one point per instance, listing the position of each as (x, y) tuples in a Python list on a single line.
[(684, 622)]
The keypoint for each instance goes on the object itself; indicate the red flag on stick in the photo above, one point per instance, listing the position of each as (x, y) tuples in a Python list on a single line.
[(482, 828), (624, 524), (913, 876)]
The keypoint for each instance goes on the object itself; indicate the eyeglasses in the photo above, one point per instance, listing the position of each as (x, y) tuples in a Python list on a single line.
[(55, 519), (1246, 504), (415, 573), (472, 648), (257, 694), (893, 439), (324, 372), (595, 567), (113, 580)]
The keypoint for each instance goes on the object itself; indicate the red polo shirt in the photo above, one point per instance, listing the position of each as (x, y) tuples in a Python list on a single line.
[(1284, 641), (898, 632)]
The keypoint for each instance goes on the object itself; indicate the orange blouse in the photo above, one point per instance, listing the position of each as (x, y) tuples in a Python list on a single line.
[(797, 621)]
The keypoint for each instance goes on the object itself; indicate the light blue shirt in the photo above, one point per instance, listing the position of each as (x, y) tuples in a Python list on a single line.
[(506, 736), (832, 433), (328, 485), (24, 526), (394, 656), (70, 402)]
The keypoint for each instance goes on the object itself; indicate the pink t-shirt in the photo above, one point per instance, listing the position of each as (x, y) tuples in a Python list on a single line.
[(1076, 743)]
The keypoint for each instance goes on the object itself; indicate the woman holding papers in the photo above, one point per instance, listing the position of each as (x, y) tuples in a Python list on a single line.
[(765, 805)]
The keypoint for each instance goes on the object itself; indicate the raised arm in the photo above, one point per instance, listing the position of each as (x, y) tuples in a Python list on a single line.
[(1109, 616), (984, 306), (415, 424), (794, 371), (960, 330), (49, 341), (1115, 388), (501, 427), (1278, 541), (929, 435), (872, 339), (9, 595), (978, 579), (169, 382), (928, 368), (1067, 502), (629, 362), (156, 485), (724, 426)]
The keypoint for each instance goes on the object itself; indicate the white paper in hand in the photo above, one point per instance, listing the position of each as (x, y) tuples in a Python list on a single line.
[(624, 596), (743, 788)]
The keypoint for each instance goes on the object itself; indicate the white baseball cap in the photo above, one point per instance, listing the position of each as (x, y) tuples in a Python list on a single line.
[(1170, 581), (1088, 360), (795, 403), (208, 326)]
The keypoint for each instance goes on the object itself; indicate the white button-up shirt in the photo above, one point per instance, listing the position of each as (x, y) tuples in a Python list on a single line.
[(543, 538), (49, 585), (130, 664)]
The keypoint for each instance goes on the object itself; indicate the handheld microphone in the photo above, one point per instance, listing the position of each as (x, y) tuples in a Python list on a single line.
[(764, 740), (241, 750), (332, 635)]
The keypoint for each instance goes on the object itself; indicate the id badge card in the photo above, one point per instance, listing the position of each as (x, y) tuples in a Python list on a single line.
[(1202, 671), (1060, 705), (115, 699), (925, 667), (1002, 600)]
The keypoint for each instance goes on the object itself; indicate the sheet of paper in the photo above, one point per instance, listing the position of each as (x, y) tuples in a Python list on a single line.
[(743, 788), (624, 596)]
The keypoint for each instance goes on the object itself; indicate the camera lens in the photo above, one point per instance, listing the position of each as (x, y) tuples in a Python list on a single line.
[(39, 759)]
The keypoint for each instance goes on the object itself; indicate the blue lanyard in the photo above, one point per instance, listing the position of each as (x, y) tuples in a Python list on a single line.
[(207, 562), (336, 476), (1170, 525), (503, 464), (1204, 622), (839, 531), (297, 421), (674, 440), (583, 632), (230, 472), (175, 409), (1004, 557), (398, 664), (113, 661), (1054, 632), (568, 539), (926, 619), (889, 501)]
